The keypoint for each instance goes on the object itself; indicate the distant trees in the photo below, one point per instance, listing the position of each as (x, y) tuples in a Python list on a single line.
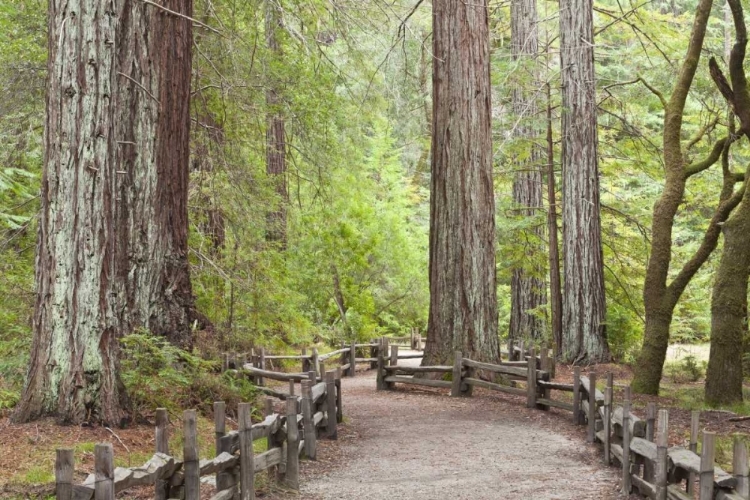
[(112, 245), (528, 287), (584, 308), (463, 305)]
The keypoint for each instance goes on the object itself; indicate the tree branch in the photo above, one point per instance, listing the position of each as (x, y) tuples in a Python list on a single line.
[(711, 159)]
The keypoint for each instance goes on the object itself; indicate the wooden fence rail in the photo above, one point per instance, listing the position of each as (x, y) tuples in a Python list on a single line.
[(314, 414), (648, 466)]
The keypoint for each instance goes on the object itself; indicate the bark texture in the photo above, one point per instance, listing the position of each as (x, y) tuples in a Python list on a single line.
[(463, 304), (528, 288), (729, 298), (275, 137), (584, 308), (555, 283), (659, 296), (112, 247)]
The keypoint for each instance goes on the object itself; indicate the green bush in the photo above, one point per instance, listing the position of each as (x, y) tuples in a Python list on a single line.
[(157, 374)]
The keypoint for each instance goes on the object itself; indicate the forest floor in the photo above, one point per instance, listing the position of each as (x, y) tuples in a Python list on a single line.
[(407, 443)]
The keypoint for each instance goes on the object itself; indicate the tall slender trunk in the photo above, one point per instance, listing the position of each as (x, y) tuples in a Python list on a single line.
[(463, 303), (555, 284), (275, 136), (584, 308), (112, 247), (528, 287)]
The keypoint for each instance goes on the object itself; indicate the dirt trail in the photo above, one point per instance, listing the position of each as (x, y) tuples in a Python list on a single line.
[(413, 444)]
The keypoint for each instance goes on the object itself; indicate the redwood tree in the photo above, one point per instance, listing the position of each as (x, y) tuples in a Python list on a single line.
[(584, 309), (527, 284), (463, 305), (112, 246)]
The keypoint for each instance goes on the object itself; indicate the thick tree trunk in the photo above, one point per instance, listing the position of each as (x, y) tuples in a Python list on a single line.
[(275, 138), (584, 308), (112, 249), (528, 288), (729, 311), (463, 304)]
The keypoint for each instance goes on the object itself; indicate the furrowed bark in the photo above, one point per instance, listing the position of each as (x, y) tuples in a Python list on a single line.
[(463, 305)]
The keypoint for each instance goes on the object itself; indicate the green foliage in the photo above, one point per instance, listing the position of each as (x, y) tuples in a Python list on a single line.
[(687, 369), (157, 374)]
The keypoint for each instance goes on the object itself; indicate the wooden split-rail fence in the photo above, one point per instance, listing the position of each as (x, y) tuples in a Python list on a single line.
[(649, 466), (314, 414)]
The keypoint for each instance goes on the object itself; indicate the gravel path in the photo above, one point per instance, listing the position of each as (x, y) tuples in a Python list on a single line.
[(418, 444)]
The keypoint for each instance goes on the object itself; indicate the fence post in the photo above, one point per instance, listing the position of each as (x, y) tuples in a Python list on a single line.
[(353, 360), (307, 420), (626, 486), (380, 376), (305, 361), (322, 371), (531, 380), (592, 408), (394, 355), (104, 470), (291, 477), (577, 395), (161, 487), (331, 405), (64, 467), (607, 421), (456, 379), (708, 453), (374, 349), (314, 363), (247, 460), (740, 468), (291, 387), (662, 465), (191, 459), (225, 479), (339, 407), (694, 424), (650, 421)]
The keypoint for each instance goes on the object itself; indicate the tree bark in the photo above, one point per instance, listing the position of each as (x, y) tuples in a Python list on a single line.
[(112, 247), (659, 297), (584, 308), (275, 137), (729, 298), (463, 303), (555, 285), (528, 288)]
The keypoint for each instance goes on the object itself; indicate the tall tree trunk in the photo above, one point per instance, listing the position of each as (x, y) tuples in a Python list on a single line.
[(584, 308), (463, 303), (275, 136), (660, 297), (729, 298), (528, 288), (112, 248), (555, 284)]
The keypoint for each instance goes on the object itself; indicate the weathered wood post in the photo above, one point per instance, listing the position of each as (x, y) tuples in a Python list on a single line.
[(394, 355), (662, 465), (259, 380), (161, 487), (331, 405), (591, 437), (380, 376), (64, 467), (352, 360), (104, 470), (271, 440), (419, 342), (339, 406), (544, 364), (224, 480), (708, 454), (291, 477), (312, 377), (456, 377), (191, 459), (247, 460), (648, 466), (577, 415), (374, 354), (322, 372), (693, 446), (291, 387), (740, 468), (308, 425), (531, 380), (608, 421), (305, 361), (314, 362), (626, 481), (522, 353)]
